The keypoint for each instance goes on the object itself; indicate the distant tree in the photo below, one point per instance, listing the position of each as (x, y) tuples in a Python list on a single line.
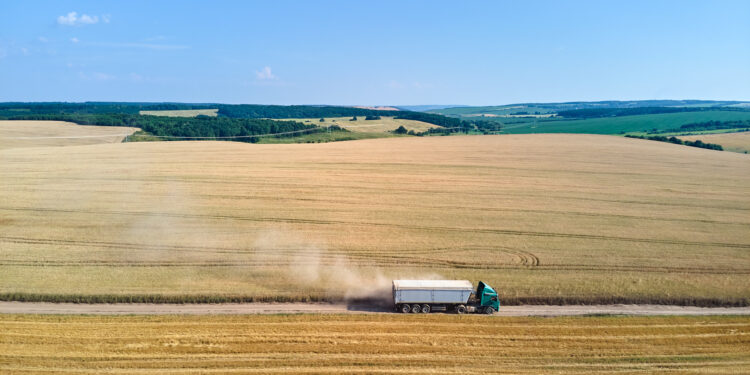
[(401, 130), (354, 118), (371, 117), (322, 120)]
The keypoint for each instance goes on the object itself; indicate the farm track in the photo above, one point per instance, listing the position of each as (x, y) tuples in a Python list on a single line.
[(344, 308)]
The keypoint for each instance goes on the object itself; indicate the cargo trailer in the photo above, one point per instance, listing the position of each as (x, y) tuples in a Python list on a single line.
[(424, 296)]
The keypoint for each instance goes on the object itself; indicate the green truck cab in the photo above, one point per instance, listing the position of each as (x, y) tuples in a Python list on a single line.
[(487, 297)]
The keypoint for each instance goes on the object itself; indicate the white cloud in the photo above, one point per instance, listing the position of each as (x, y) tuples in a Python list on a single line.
[(96, 76), (72, 19), (42, 39), (395, 84), (74, 40), (265, 74), (102, 76)]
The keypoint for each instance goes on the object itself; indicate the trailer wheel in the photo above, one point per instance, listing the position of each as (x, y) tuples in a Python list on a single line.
[(426, 309), (489, 310), (405, 308), (460, 309), (415, 309)]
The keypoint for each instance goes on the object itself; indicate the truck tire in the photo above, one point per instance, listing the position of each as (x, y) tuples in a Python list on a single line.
[(416, 308), (460, 309), (405, 308), (489, 310), (426, 309)]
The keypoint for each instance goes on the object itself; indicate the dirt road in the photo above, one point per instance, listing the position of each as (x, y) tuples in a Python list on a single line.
[(319, 308)]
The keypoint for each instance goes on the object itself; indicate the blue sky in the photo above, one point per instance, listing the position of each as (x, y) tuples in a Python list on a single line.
[(375, 52)]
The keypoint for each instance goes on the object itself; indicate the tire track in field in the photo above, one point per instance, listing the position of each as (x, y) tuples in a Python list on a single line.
[(525, 259), (297, 255), (485, 196), (401, 226), (437, 207), (394, 263)]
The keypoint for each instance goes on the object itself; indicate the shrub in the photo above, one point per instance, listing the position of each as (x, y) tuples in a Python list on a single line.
[(401, 130)]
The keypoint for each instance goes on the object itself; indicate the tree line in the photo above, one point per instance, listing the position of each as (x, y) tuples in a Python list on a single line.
[(677, 141)]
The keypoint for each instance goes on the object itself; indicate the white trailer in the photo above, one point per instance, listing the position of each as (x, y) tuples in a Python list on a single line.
[(440, 295)]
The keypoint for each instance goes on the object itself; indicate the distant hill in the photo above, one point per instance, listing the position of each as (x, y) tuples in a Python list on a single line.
[(425, 108), (547, 108), (378, 108)]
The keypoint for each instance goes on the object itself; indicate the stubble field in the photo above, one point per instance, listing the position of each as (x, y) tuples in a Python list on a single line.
[(383, 125), (20, 134), (735, 142), (543, 218), (373, 344)]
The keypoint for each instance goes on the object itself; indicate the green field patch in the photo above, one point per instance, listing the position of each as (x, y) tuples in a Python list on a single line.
[(625, 124)]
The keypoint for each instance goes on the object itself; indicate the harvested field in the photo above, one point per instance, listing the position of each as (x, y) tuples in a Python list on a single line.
[(736, 142), (384, 125), (20, 134), (373, 344), (183, 113), (543, 218)]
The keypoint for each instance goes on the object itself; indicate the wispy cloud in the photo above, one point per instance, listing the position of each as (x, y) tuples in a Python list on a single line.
[(73, 19), (265, 74), (75, 40), (396, 85), (153, 46), (96, 76), (42, 39)]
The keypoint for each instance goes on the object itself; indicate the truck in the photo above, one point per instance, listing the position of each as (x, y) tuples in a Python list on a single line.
[(459, 296)]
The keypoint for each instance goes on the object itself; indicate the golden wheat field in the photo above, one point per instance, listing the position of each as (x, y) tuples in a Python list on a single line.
[(382, 125), (373, 344), (543, 218), (736, 142), (18, 134), (183, 113)]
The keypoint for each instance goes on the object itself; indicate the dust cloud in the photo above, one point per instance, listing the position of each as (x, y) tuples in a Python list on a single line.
[(310, 264)]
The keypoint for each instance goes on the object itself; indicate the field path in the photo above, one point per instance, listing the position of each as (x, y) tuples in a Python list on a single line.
[(324, 308)]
